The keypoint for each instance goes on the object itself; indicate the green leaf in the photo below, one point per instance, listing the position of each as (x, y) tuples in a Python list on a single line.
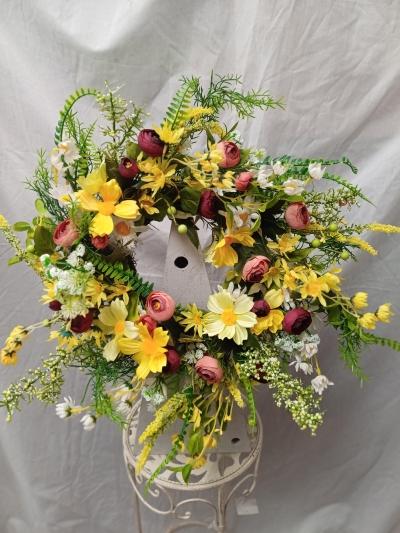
[(43, 239), (179, 105), (186, 471), (14, 260), (190, 199), (195, 443), (193, 235), (40, 208), (132, 150), (21, 226)]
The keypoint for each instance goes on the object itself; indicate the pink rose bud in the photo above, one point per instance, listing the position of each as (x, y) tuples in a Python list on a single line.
[(242, 182), (296, 321), (209, 204), (128, 168), (297, 215), (160, 306), (100, 242), (260, 308), (173, 361), (208, 368), (149, 322), (150, 143), (230, 154), (82, 323), (255, 268), (65, 233), (55, 305)]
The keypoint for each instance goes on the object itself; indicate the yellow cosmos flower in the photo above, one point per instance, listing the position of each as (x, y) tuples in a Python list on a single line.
[(193, 319), (360, 300), (229, 317), (110, 192), (146, 202), (384, 313), (113, 321), (158, 172), (333, 281), (314, 286), (368, 321), (226, 181), (221, 253), (272, 322), (286, 243), (149, 351), (169, 135)]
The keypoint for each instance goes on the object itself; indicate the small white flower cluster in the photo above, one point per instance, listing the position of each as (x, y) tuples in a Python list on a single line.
[(266, 173), (236, 137), (320, 383), (301, 348), (195, 352), (154, 394), (243, 217)]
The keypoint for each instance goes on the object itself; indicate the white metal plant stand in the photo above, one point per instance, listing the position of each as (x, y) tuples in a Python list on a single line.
[(231, 470)]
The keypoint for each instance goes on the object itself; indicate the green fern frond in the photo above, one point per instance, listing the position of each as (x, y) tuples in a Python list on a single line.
[(370, 338), (69, 104), (342, 181), (179, 105), (117, 272)]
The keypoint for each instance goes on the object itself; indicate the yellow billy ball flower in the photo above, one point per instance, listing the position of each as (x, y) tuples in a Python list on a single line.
[(368, 321), (360, 300), (384, 313)]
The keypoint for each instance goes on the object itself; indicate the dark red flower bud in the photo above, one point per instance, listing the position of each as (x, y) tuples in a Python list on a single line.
[(209, 204), (55, 305), (149, 322), (173, 361), (100, 242), (150, 143), (296, 321), (261, 308), (128, 168), (82, 323)]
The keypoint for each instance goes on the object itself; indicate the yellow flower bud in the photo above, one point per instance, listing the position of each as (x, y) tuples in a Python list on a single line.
[(368, 321), (384, 313), (360, 300)]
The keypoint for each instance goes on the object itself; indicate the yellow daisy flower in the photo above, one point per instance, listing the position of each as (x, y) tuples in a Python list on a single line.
[(149, 351), (159, 173), (222, 253), (193, 319), (168, 134), (272, 322), (286, 243), (146, 202), (229, 317), (95, 292), (314, 286), (368, 321), (113, 321)]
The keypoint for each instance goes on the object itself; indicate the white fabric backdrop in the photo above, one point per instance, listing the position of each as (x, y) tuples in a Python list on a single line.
[(337, 65)]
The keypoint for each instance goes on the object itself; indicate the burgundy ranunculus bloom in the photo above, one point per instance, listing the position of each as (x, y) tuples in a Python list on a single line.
[(242, 182), (173, 361), (260, 308), (150, 143), (149, 322), (82, 323), (55, 305), (297, 215), (230, 154), (65, 233), (296, 321), (128, 168), (209, 204), (100, 242)]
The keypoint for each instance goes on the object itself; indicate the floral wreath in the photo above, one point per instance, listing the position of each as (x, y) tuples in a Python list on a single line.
[(280, 235)]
